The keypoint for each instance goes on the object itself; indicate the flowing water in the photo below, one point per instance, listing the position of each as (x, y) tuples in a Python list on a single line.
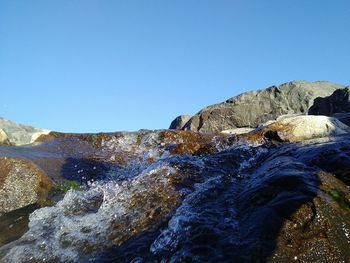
[(224, 206)]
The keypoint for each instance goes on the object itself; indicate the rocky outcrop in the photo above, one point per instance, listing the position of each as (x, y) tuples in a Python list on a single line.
[(12, 133), (179, 122), (253, 108), (279, 193), (21, 184), (298, 129)]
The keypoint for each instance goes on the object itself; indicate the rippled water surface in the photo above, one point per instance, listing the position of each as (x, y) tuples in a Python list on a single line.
[(225, 206)]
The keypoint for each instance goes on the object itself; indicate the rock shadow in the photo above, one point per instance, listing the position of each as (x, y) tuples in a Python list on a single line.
[(336, 105)]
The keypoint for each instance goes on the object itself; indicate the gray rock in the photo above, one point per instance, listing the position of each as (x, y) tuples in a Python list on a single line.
[(253, 108), (179, 122), (338, 102), (18, 134)]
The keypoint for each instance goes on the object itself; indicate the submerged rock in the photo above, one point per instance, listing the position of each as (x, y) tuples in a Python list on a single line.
[(344, 117), (253, 108)]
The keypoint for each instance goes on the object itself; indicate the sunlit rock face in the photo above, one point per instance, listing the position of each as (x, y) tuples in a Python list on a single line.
[(181, 196), (253, 108), (298, 129)]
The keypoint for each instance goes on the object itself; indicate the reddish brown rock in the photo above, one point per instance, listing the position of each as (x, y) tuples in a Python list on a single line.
[(22, 183)]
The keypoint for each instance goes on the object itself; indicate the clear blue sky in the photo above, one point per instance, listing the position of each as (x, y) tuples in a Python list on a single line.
[(89, 66)]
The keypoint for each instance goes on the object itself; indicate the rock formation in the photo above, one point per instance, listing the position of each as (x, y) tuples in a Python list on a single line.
[(253, 108), (181, 195), (299, 128), (277, 193), (21, 184)]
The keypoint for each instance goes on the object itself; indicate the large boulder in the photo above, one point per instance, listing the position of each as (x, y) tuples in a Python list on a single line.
[(253, 108), (298, 129), (12, 133), (22, 183)]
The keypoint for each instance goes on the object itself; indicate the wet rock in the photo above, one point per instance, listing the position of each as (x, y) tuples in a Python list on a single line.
[(182, 196), (253, 108), (309, 234), (331, 155), (179, 122), (14, 224), (162, 200), (21, 184), (186, 142), (18, 134), (344, 117)]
